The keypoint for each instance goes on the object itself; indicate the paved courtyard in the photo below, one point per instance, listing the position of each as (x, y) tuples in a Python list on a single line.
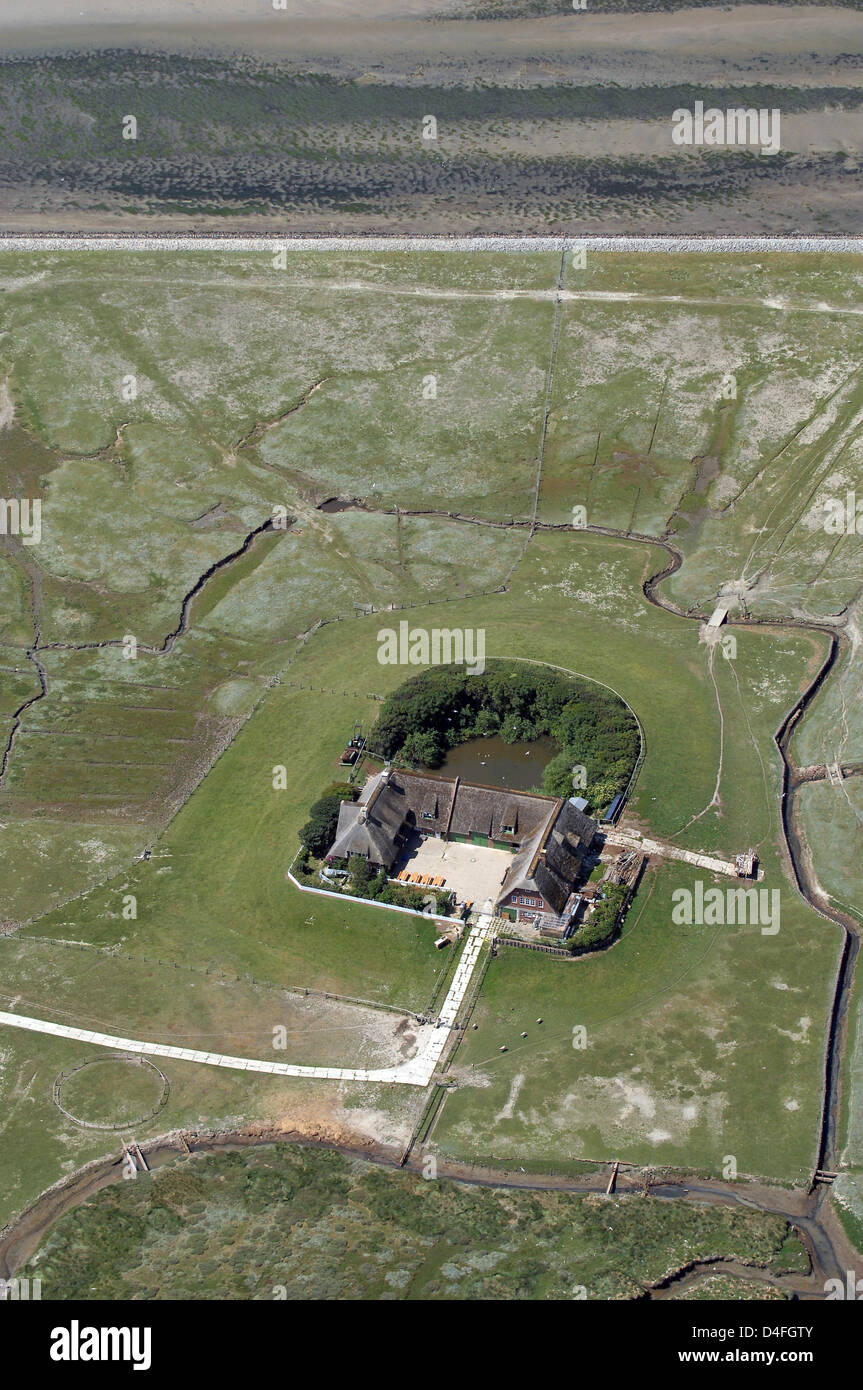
[(473, 872)]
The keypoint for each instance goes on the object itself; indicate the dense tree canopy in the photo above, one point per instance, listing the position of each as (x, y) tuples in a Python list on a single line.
[(445, 705), (319, 830)]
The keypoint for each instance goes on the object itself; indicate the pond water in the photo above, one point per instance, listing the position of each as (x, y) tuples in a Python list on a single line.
[(517, 766)]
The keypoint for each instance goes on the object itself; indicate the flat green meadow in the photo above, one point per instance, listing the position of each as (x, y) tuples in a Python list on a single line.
[(260, 388)]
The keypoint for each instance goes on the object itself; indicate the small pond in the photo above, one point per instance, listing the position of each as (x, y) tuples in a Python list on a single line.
[(517, 766)]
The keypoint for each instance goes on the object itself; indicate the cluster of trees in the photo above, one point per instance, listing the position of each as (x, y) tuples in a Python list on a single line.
[(603, 923), (319, 830), (306, 871), (445, 706)]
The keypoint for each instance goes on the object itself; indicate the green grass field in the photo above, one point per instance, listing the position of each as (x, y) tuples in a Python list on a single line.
[(703, 1042), (202, 903), (681, 1067)]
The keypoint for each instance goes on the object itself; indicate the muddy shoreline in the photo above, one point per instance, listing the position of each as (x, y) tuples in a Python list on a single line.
[(828, 1251)]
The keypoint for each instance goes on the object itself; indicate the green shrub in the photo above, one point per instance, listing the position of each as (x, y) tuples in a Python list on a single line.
[(445, 706), (304, 870), (345, 791), (319, 830), (602, 926)]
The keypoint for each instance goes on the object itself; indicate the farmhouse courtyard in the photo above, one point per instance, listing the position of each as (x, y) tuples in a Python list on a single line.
[(474, 873), (538, 844)]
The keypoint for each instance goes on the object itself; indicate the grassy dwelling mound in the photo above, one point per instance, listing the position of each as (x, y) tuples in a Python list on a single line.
[(445, 706)]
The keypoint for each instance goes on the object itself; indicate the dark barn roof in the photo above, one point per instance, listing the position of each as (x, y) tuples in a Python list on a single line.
[(550, 836), (551, 860)]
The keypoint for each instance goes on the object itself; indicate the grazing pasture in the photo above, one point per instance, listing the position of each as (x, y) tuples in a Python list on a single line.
[(265, 392)]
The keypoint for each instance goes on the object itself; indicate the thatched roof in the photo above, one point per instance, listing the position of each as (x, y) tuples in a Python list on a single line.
[(551, 836), (550, 861)]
